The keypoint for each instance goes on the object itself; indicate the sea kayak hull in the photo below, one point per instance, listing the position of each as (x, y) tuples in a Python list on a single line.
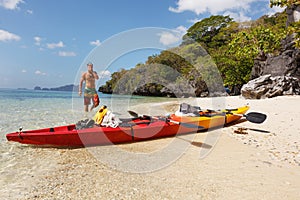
[(134, 131), (69, 136)]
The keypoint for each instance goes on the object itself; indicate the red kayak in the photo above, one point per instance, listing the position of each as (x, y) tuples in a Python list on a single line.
[(133, 130), (137, 130)]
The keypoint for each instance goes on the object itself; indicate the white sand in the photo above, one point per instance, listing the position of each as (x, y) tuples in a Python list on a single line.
[(263, 164)]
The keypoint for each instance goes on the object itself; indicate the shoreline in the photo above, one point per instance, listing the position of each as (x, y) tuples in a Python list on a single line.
[(262, 164)]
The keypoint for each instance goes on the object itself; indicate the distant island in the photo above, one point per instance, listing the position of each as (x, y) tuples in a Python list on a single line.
[(68, 88)]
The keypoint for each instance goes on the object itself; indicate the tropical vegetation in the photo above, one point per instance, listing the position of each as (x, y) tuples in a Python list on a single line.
[(215, 51)]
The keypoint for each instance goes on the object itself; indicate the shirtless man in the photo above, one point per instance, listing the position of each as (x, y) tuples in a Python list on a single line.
[(89, 78)]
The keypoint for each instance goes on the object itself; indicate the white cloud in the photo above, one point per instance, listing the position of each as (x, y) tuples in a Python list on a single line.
[(95, 43), (104, 74), (168, 38), (38, 72), (211, 6), (66, 53), (193, 21), (275, 9), (238, 17), (30, 12), (172, 37), (37, 40), (24, 71), (60, 44), (7, 36), (10, 4), (181, 29)]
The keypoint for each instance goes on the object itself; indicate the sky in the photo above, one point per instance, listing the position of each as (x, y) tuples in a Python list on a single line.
[(48, 43)]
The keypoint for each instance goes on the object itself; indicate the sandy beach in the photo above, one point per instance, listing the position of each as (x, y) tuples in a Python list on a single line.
[(264, 163)]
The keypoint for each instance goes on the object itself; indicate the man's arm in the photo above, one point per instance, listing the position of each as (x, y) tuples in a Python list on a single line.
[(80, 84), (95, 75)]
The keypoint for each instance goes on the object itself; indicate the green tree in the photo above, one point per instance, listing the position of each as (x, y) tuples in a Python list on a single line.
[(245, 47), (295, 29), (284, 3), (293, 13), (205, 31)]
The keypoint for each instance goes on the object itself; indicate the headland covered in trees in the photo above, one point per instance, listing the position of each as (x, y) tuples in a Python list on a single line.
[(212, 49)]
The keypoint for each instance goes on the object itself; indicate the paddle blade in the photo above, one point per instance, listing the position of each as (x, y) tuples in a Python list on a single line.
[(256, 117), (133, 114)]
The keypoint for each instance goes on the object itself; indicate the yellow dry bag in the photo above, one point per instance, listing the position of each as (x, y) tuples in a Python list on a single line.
[(98, 118)]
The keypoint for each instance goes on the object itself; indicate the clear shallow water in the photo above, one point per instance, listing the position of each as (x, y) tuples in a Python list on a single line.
[(21, 164), (37, 109)]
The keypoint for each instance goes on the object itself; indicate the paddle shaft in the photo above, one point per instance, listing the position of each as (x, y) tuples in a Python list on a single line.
[(188, 125)]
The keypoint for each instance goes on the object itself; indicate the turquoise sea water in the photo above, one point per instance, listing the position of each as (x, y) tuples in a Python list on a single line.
[(32, 109)]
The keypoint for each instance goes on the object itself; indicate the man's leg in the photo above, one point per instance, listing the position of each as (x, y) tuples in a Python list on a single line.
[(87, 102), (86, 108), (92, 107)]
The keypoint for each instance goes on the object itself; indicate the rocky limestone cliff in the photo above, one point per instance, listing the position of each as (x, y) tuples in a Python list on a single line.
[(275, 75), (280, 74), (268, 86), (287, 63)]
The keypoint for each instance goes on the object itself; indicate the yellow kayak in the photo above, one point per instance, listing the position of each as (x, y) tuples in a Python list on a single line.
[(211, 118)]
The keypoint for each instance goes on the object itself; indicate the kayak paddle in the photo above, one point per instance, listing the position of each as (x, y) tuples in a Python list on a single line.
[(188, 125), (133, 114), (253, 117)]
